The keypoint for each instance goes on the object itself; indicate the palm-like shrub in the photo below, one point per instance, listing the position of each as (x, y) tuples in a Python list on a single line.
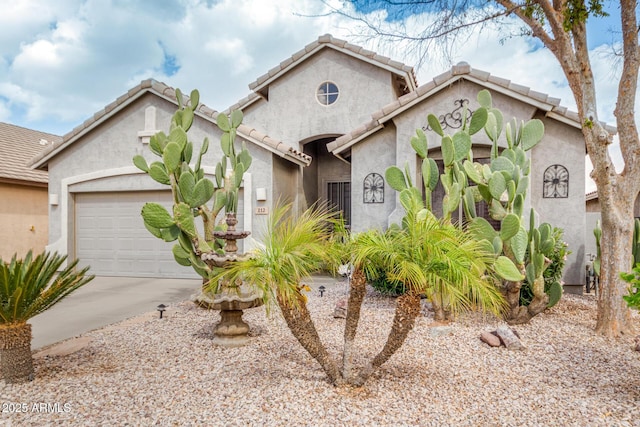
[(426, 256), (28, 287), (429, 257), (294, 248)]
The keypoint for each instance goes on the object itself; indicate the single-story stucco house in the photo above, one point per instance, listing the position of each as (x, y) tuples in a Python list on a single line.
[(324, 124), (23, 191)]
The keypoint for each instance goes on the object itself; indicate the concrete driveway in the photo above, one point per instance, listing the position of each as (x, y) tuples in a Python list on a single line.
[(107, 300)]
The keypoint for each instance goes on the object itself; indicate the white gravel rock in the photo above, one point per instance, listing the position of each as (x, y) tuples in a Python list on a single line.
[(167, 372)]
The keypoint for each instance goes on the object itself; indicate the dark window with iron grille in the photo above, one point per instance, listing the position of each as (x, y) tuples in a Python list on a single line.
[(339, 197), (482, 209)]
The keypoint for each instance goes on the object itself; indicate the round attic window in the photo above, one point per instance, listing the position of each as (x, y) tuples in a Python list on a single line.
[(327, 93)]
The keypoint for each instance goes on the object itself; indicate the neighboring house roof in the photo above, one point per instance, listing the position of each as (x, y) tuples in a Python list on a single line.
[(405, 75), (168, 93), (18, 146), (593, 195), (551, 106)]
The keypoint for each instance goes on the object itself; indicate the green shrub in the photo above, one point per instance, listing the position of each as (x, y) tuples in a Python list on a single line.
[(377, 278), (633, 278)]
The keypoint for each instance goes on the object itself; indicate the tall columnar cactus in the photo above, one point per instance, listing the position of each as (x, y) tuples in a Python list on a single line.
[(194, 195), (502, 185), (635, 245), (597, 233)]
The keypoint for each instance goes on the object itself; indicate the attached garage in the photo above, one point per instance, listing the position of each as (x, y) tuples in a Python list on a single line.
[(96, 193), (112, 239)]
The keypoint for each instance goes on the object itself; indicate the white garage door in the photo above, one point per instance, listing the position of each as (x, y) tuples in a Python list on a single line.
[(112, 239)]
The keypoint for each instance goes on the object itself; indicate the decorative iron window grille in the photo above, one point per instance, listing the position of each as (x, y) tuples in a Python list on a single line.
[(373, 188), (555, 182)]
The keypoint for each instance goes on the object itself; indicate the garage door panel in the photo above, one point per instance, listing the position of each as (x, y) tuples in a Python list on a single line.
[(112, 239)]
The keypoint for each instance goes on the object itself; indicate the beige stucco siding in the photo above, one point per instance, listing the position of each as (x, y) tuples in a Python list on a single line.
[(101, 161), (293, 113), (23, 219), (560, 142), (562, 145), (376, 155)]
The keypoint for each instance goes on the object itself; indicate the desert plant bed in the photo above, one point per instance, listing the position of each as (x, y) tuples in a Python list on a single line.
[(167, 372)]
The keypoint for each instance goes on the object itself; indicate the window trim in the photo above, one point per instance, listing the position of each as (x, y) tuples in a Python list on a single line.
[(327, 94)]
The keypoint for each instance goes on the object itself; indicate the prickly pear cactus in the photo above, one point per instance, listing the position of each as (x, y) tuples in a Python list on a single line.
[(502, 185), (194, 195)]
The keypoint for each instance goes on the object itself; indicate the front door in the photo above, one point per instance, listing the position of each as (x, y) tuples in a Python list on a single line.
[(339, 197)]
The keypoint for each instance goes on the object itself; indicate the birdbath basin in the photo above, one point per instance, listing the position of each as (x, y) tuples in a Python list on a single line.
[(232, 330)]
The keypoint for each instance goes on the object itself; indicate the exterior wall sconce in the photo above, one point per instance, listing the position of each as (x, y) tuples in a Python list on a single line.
[(261, 194), (54, 199)]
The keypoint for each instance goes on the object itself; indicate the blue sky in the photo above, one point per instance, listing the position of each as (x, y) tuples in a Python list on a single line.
[(602, 30), (60, 62)]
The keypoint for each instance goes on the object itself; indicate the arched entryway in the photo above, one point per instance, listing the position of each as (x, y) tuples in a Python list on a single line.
[(328, 178)]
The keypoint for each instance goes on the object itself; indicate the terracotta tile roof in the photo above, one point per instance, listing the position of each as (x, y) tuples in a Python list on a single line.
[(406, 83), (243, 103), (18, 146), (551, 106), (168, 93), (592, 195)]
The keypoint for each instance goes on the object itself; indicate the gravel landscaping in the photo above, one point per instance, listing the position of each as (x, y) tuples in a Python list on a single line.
[(151, 371)]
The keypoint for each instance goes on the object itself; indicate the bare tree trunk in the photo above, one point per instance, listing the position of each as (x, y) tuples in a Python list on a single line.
[(614, 317), (299, 322), (16, 363), (439, 314), (356, 296), (441, 308), (407, 309)]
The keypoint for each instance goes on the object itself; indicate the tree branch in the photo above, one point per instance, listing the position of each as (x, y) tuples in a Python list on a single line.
[(448, 22), (536, 27)]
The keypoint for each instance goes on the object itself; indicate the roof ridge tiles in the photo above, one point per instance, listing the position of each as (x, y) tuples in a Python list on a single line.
[(146, 85), (457, 71), (330, 41)]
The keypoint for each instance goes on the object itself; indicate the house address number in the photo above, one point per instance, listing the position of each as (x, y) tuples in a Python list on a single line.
[(262, 210)]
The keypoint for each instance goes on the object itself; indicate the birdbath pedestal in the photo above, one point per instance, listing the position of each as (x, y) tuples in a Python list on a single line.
[(232, 298)]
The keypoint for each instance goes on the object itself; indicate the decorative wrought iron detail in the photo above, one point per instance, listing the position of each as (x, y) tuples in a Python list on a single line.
[(555, 182), (453, 119), (373, 191)]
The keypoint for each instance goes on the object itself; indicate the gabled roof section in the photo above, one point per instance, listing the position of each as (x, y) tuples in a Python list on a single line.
[(18, 146), (243, 103), (168, 93), (405, 75), (549, 105)]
